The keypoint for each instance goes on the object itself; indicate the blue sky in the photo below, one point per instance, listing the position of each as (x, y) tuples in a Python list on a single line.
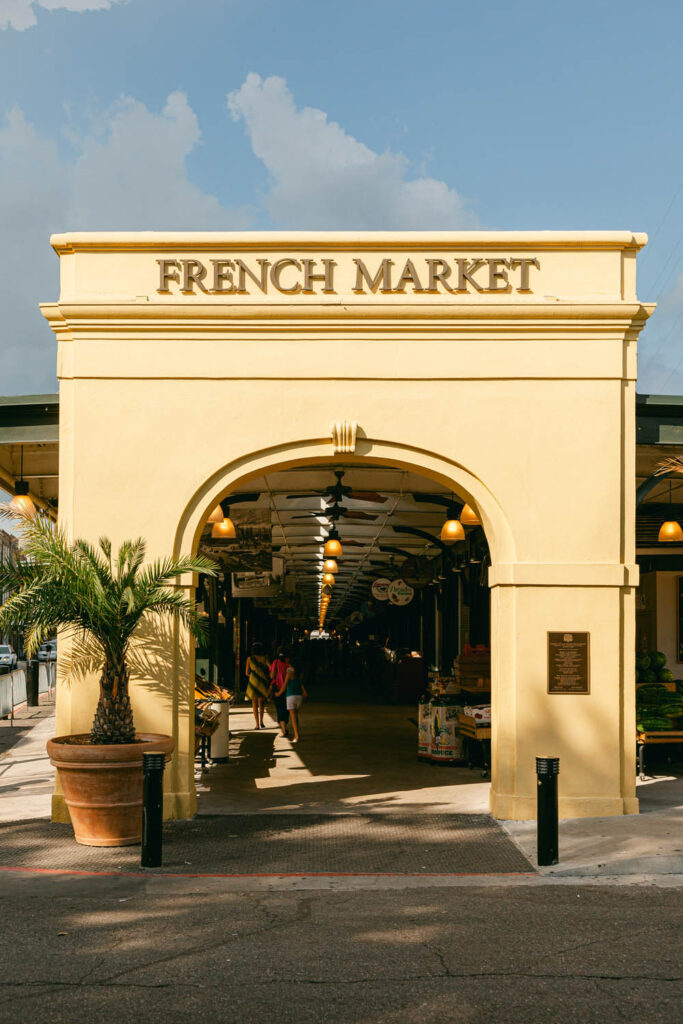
[(515, 115)]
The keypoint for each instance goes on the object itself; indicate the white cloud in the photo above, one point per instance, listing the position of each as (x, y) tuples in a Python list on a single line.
[(20, 14), (321, 177), (33, 195), (130, 174)]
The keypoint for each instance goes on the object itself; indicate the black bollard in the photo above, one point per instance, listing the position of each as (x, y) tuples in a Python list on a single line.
[(152, 806), (32, 683), (547, 770)]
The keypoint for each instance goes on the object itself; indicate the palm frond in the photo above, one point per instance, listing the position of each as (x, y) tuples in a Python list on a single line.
[(89, 593), (671, 465)]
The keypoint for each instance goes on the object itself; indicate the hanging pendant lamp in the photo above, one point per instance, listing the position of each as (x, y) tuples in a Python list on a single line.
[(452, 530), (468, 517), (329, 565), (670, 532), (224, 530), (328, 577), (333, 548), (216, 516), (21, 502)]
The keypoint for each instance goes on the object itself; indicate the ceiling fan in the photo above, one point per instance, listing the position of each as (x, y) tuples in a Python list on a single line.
[(335, 493), (336, 512), (293, 543)]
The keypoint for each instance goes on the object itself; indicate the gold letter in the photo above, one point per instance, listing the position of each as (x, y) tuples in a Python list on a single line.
[(222, 271), (439, 275), (465, 274), (309, 276), (166, 274), (409, 275), (194, 272), (383, 274), (524, 276), (277, 269), (496, 275), (262, 282)]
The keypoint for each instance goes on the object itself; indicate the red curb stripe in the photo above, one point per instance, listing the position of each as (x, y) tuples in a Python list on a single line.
[(278, 874)]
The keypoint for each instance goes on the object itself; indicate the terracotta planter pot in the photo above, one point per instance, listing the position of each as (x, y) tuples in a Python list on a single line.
[(103, 786)]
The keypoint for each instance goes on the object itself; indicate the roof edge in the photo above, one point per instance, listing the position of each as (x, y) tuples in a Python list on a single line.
[(96, 240)]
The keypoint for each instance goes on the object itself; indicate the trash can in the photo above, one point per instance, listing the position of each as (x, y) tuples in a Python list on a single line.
[(446, 739), (220, 739), (424, 728)]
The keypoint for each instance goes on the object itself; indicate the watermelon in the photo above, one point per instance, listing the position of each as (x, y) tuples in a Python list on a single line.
[(648, 675), (666, 676), (657, 659), (642, 661), (652, 723)]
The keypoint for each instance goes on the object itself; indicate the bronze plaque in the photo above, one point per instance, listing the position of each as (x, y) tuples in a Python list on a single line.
[(569, 662)]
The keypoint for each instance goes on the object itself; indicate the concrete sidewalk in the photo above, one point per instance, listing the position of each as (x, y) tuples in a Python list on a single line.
[(26, 775), (645, 844)]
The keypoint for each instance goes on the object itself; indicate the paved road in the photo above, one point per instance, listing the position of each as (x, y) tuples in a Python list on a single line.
[(80, 949)]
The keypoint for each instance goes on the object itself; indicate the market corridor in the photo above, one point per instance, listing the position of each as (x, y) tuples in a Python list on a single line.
[(351, 757)]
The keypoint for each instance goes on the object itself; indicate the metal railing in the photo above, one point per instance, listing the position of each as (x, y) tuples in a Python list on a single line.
[(13, 691)]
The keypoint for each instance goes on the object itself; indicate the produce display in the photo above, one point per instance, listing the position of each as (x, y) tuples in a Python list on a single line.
[(657, 708), (651, 668)]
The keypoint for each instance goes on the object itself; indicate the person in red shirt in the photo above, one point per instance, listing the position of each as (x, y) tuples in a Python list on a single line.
[(278, 676)]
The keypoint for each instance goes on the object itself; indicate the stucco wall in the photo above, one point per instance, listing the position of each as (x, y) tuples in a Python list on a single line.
[(522, 402)]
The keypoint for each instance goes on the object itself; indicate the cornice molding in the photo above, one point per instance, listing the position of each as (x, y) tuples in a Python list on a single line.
[(368, 241), (342, 314)]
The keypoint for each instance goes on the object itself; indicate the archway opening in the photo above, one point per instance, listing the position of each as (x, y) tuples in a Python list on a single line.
[(403, 614)]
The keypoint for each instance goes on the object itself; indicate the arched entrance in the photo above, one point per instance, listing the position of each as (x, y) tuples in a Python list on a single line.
[(380, 542), (501, 365)]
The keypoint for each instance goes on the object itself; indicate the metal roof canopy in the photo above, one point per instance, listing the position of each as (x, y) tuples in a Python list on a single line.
[(31, 423)]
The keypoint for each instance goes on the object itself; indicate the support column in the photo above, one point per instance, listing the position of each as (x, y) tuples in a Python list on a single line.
[(592, 734)]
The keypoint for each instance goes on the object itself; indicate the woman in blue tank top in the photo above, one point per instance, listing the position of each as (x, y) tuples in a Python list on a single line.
[(296, 693)]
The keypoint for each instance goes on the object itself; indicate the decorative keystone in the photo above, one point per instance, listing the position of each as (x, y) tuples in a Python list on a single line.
[(344, 437)]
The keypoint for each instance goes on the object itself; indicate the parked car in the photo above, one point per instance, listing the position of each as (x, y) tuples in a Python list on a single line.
[(48, 651), (8, 657)]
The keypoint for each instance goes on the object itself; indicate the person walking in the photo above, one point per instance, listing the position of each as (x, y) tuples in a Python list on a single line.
[(278, 673), (296, 693), (258, 683)]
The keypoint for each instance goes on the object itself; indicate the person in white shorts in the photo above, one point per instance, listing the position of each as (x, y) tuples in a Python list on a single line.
[(296, 692)]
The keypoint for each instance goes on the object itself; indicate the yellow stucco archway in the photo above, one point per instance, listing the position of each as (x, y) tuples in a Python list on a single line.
[(501, 364)]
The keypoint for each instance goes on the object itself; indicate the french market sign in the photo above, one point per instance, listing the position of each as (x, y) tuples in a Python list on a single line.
[(429, 275)]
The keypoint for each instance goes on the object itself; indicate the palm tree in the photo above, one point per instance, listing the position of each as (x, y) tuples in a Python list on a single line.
[(96, 598)]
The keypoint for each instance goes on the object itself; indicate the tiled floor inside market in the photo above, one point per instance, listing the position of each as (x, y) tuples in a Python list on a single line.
[(351, 757)]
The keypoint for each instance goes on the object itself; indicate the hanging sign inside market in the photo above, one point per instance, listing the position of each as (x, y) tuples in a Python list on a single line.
[(400, 593), (430, 274), (380, 589), (419, 572)]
